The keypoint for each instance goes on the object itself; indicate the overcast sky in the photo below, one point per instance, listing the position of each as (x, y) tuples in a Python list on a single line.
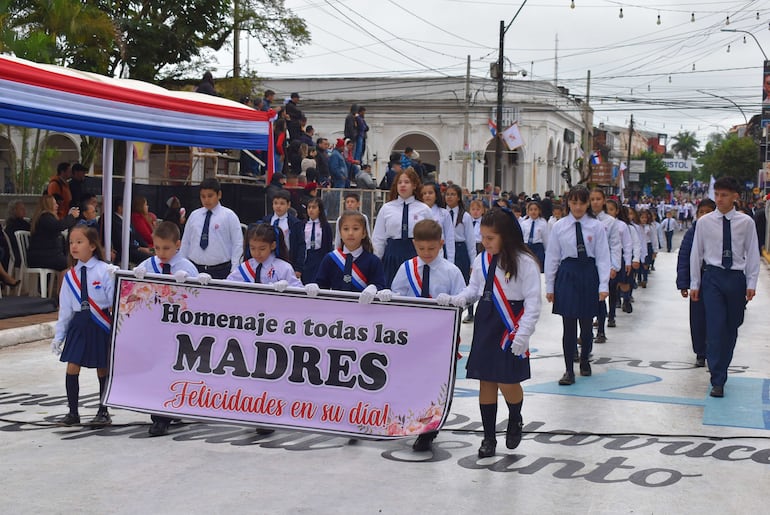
[(631, 58)]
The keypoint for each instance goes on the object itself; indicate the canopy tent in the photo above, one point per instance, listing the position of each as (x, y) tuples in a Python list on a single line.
[(61, 99)]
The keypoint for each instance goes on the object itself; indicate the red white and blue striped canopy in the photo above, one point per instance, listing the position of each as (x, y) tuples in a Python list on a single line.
[(66, 100)]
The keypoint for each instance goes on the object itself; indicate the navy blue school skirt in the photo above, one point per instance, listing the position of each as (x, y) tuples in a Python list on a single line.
[(576, 289), (396, 252), (648, 259), (312, 263), (462, 261), (487, 360), (87, 344), (538, 249)]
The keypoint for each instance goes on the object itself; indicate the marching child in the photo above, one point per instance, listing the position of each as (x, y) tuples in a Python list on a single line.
[(168, 261), (393, 229), (697, 312), (83, 327), (352, 266), (465, 236), (558, 212), (213, 240), (477, 209), (620, 285), (267, 260), (428, 275), (352, 203), (431, 197), (668, 226), (292, 229), (318, 239), (535, 231), (598, 202), (506, 276), (649, 240), (577, 273)]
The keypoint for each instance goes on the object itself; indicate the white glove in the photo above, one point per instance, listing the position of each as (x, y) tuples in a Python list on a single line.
[(312, 289), (204, 278), (56, 347), (111, 269), (443, 299), (385, 295), (367, 296), (180, 276), (520, 346), (140, 272), (281, 285), (458, 301)]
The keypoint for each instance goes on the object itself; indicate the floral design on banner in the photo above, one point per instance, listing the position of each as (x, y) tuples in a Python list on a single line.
[(413, 423), (136, 295)]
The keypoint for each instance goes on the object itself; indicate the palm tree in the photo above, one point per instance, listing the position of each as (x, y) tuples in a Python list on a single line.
[(686, 144)]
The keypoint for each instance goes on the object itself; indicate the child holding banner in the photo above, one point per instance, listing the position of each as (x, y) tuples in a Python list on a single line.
[(507, 278), (352, 267), (83, 327), (166, 239), (318, 239), (430, 276), (267, 259)]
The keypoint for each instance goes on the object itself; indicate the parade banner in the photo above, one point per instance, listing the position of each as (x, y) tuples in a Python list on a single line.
[(244, 353)]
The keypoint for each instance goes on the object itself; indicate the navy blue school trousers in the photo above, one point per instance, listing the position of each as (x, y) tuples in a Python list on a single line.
[(698, 328), (723, 293)]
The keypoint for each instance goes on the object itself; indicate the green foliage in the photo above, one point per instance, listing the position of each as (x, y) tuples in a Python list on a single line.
[(735, 156), (655, 173), (686, 144)]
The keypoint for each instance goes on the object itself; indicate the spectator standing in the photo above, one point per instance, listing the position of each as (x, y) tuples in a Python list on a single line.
[(206, 85), (77, 183), (59, 189), (363, 128), (322, 161), (338, 168), (351, 124), (294, 117)]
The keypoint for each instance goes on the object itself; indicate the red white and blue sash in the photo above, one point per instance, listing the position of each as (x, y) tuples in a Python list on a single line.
[(502, 305), (248, 273), (414, 277), (155, 267), (356, 278), (100, 317)]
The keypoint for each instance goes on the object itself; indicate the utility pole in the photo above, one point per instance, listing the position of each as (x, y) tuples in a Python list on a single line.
[(499, 116), (588, 141), (630, 137), (236, 41), (467, 127), (556, 62)]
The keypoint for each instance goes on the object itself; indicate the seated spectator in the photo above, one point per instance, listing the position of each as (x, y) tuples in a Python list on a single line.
[(16, 221), (141, 220), (138, 250), (364, 178), (88, 215), (46, 243)]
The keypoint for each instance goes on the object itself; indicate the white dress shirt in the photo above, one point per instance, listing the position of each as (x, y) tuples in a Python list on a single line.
[(707, 246), (613, 239), (283, 225), (101, 288), (541, 230), (562, 244), (178, 262), (464, 232), (225, 237), (388, 222), (309, 234), (273, 270), (445, 277), (444, 219)]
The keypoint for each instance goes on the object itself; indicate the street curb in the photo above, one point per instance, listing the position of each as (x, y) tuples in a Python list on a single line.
[(30, 333)]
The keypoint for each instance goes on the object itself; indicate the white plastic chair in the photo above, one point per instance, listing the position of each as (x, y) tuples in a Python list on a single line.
[(12, 265), (22, 238)]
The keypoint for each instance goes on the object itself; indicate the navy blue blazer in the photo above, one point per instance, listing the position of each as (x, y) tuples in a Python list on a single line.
[(683, 260), (296, 241), (329, 275)]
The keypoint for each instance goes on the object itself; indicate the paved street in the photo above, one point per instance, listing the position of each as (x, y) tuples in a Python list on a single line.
[(651, 439)]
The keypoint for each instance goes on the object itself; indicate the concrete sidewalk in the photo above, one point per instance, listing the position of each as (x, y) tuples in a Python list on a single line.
[(639, 436)]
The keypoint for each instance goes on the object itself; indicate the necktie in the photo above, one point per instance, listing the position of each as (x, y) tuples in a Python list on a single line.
[(425, 293), (275, 222), (312, 237), (531, 232), (84, 289), (490, 282), (475, 222), (258, 274), (405, 222), (205, 232), (452, 215), (165, 268), (581, 246), (727, 244)]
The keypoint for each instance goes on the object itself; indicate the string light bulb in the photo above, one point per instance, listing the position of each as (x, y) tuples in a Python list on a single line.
[(728, 49), (692, 17), (621, 13), (648, 87), (572, 4), (659, 19), (669, 79), (727, 21), (693, 66), (757, 14), (744, 40)]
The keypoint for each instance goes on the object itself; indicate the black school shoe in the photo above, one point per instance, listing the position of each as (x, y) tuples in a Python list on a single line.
[(585, 368), (70, 419), (717, 391), (700, 362), (567, 379), (611, 322), (600, 338), (513, 433), (102, 418), (423, 443), (487, 448), (159, 428)]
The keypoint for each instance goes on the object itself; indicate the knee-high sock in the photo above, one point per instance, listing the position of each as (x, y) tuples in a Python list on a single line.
[(102, 386), (72, 384), (489, 420), (514, 413)]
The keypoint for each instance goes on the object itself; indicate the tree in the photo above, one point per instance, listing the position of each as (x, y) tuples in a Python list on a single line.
[(735, 156), (655, 173), (686, 144)]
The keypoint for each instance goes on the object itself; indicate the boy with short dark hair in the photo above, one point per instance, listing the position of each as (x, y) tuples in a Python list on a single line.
[(293, 229), (428, 275), (213, 239), (725, 242)]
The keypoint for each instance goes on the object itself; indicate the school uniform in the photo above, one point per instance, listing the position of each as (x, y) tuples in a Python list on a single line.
[(616, 251), (668, 226), (293, 235), (156, 266), (621, 277), (335, 273), (443, 277), (85, 303), (270, 271), (441, 215), (338, 237), (488, 359), (465, 241), (727, 246), (697, 310), (575, 273), (476, 222), (394, 230), (535, 234), (213, 240), (318, 242)]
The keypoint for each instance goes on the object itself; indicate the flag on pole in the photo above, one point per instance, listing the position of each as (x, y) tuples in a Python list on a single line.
[(596, 158), (711, 188), (492, 127), (512, 137), (669, 187)]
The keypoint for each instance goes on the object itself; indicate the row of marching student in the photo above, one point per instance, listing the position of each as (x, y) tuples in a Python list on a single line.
[(496, 259)]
